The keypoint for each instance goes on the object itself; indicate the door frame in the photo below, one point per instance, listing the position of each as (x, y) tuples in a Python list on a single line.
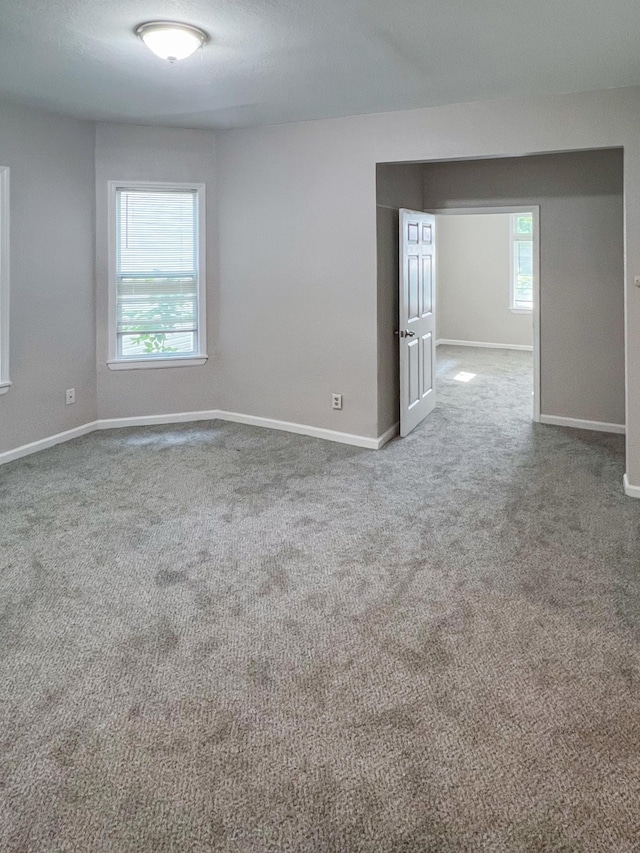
[(534, 209)]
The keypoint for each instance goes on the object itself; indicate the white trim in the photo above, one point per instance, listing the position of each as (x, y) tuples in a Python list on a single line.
[(450, 343), (268, 423), (299, 429), (577, 423), (386, 437), (535, 314), (200, 190), (629, 490), (5, 382), (151, 420), (44, 443), (239, 418), (211, 415), (136, 364), (471, 211)]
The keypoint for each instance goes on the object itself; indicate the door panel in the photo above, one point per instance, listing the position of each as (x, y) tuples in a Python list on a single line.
[(427, 285), (427, 372), (417, 333), (413, 374), (413, 275)]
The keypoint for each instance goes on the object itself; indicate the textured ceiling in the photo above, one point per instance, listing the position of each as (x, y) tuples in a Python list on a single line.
[(273, 61)]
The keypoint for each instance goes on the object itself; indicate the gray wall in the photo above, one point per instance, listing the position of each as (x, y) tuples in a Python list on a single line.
[(474, 277), (298, 299), (52, 328), (388, 365), (581, 271), (301, 309), (133, 153), (400, 185), (298, 324)]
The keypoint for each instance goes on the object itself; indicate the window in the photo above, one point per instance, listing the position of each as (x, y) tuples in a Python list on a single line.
[(521, 262), (5, 383), (157, 288)]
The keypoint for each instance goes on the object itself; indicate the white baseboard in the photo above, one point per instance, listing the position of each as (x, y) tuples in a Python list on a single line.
[(450, 343), (300, 429), (386, 437), (629, 490), (239, 418), (576, 423), (150, 420), (285, 426), (43, 443), (186, 417)]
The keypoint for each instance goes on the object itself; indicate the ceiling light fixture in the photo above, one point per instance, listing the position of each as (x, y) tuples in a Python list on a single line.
[(170, 40)]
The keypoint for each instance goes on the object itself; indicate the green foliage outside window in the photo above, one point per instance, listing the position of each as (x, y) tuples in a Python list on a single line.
[(524, 224), (158, 321)]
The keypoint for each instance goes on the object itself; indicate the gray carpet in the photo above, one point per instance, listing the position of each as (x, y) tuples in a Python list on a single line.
[(220, 638)]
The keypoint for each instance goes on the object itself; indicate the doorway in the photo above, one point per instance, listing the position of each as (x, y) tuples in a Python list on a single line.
[(577, 197), (488, 289), (478, 271)]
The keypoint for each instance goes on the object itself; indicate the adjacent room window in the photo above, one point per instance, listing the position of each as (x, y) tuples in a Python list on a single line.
[(5, 382), (158, 293), (521, 262)]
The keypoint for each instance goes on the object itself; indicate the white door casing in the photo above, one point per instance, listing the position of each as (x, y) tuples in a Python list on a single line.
[(417, 321)]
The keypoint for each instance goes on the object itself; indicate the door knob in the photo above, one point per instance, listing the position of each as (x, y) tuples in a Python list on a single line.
[(407, 333)]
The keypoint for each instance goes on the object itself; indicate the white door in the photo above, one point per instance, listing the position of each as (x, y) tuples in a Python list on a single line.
[(417, 331)]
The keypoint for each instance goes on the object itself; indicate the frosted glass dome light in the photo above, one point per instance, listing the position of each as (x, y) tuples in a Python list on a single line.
[(171, 41)]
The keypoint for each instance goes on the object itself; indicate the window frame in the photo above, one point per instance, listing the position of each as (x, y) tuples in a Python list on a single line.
[(5, 381), (513, 238), (116, 362)]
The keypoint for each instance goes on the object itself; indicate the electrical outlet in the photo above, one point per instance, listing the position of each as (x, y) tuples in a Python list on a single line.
[(70, 396), (336, 401)]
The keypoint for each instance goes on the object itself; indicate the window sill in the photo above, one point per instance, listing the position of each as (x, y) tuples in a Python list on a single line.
[(4, 387), (150, 363), (521, 310)]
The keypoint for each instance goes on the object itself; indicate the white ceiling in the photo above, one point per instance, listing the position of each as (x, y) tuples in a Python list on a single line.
[(273, 61)]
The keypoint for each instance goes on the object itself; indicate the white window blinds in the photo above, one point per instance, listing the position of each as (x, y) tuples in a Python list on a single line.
[(156, 273)]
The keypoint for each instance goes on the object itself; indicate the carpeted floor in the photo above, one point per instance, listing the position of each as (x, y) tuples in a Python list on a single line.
[(220, 638)]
